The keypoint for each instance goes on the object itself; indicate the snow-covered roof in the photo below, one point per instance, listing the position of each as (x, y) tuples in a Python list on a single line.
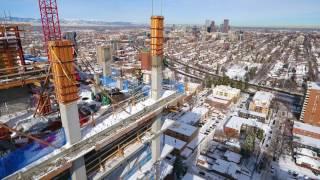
[(253, 113), (232, 156), (166, 150), (218, 99), (190, 118), (236, 122), (306, 140), (186, 152), (262, 98), (306, 152), (225, 167), (205, 159), (315, 164), (167, 123), (236, 71), (176, 143), (183, 128), (196, 141), (189, 176), (200, 110), (306, 127), (233, 143), (227, 89), (314, 85)]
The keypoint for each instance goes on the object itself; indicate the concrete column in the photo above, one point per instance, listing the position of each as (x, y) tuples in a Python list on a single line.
[(71, 125), (119, 83), (156, 145), (95, 90), (104, 58), (147, 77), (70, 122), (156, 77), (78, 170)]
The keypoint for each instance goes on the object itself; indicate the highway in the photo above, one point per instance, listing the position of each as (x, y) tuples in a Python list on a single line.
[(254, 86)]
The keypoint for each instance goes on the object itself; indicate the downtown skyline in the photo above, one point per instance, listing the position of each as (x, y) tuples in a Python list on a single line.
[(297, 13)]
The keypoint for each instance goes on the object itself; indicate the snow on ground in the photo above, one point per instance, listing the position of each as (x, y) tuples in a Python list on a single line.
[(106, 121), (189, 176), (110, 120), (12, 119), (286, 163)]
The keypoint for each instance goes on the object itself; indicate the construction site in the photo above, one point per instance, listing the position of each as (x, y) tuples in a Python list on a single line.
[(116, 100), (66, 117)]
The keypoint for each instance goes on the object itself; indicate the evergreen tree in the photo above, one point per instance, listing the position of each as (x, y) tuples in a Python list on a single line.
[(178, 168)]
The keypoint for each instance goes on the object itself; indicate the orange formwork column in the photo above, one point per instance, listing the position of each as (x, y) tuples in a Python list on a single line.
[(157, 35), (63, 71)]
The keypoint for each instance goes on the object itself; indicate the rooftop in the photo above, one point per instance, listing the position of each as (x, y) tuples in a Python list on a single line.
[(306, 152), (189, 176), (308, 141), (190, 118), (176, 143), (262, 98), (306, 127), (226, 89), (236, 122), (315, 164), (232, 156), (226, 167), (314, 85), (257, 114), (183, 128), (219, 99)]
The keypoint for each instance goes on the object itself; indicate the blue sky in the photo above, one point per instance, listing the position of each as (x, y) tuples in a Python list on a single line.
[(240, 12)]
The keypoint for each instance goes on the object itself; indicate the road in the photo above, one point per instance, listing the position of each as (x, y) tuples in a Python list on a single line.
[(254, 86)]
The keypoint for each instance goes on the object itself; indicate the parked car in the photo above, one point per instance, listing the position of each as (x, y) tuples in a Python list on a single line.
[(202, 173)]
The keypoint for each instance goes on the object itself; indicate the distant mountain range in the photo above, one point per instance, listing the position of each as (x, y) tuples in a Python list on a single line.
[(65, 22)]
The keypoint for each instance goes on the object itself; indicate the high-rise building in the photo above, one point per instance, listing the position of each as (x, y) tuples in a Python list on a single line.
[(213, 27), (207, 24), (311, 107), (226, 26)]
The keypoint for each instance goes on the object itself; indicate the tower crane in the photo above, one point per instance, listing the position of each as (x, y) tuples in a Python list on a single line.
[(50, 21)]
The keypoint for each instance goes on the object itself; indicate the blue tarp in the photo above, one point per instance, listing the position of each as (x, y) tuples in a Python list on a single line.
[(125, 84), (108, 81), (25, 155), (146, 90), (35, 59), (180, 87)]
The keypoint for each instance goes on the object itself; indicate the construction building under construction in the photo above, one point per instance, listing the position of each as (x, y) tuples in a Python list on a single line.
[(83, 128)]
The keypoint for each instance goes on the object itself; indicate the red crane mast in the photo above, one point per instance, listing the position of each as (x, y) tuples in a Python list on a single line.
[(50, 20)]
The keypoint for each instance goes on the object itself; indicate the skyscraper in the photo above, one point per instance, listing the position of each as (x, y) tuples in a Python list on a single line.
[(207, 23), (311, 107), (226, 26), (213, 27)]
